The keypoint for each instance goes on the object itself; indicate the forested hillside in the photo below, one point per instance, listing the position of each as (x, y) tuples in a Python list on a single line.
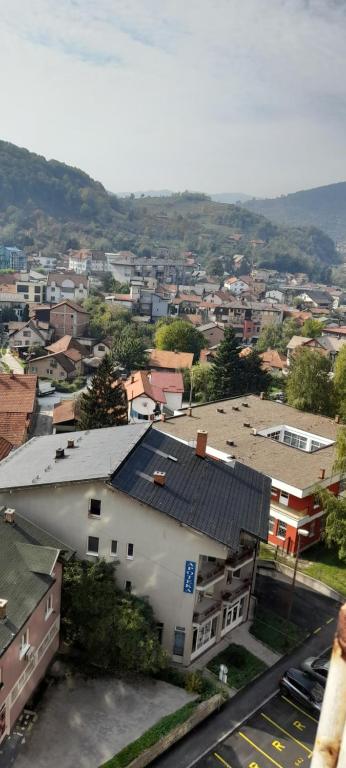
[(51, 206), (323, 207)]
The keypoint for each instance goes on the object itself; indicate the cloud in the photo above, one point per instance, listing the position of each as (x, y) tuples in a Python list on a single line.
[(218, 94)]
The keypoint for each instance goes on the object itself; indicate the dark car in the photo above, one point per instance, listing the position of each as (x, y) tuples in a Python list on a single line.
[(317, 668), (298, 685)]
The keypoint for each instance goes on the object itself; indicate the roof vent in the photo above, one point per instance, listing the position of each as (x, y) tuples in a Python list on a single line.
[(229, 442), (220, 410), (235, 408), (159, 477), (70, 443), (246, 424), (322, 473), (9, 516), (59, 453), (245, 405), (3, 609), (254, 432)]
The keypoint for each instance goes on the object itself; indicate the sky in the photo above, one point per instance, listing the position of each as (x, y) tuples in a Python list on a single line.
[(210, 95)]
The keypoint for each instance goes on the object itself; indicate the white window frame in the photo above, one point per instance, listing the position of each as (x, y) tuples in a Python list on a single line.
[(114, 554), (24, 643), (279, 535), (284, 498), (48, 608), (130, 557), (93, 554), (271, 526)]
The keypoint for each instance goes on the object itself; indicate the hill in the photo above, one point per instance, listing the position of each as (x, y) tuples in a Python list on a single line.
[(230, 197), (323, 207), (50, 206)]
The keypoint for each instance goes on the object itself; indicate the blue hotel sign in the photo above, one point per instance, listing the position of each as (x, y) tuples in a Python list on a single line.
[(189, 578)]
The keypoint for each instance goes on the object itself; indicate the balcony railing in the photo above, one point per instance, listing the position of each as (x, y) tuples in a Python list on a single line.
[(242, 556), (231, 594), (205, 610), (208, 576)]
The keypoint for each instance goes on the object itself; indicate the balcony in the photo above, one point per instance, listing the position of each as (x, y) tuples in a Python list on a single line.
[(209, 574), (244, 556), (230, 595), (205, 609)]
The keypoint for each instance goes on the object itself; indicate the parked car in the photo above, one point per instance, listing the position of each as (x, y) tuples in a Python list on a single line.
[(317, 668), (298, 685)]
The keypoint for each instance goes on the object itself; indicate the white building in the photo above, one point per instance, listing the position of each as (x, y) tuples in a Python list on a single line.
[(68, 285), (180, 527), (152, 393)]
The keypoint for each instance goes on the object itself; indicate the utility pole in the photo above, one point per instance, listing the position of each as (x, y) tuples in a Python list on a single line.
[(301, 532)]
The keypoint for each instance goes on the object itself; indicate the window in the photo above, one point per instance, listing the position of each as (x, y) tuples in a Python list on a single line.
[(114, 547), (26, 333), (283, 498), (102, 347), (312, 528), (130, 552), (128, 586), (296, 438), (24, 643), (48, 606), (236, 573), (179, 641), (159, 630), (281, 531), (95, 507), (271, 525), (93, 545)]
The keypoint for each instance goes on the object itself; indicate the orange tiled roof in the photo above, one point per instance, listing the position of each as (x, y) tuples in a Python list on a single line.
[(64, 411), (13, 427), (17, 393), (5, 448), (162, 358)]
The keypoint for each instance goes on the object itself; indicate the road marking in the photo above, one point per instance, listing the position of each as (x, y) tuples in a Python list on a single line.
[(218, 757), (278, 765), (317, 630), (299, 709), (233, 729), (300, 744), (330, 620)]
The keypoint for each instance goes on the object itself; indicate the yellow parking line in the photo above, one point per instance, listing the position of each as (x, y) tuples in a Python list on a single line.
[(218, 757), (278, 765), (299, 709), (330, 620), (280, 728), (317, 630)]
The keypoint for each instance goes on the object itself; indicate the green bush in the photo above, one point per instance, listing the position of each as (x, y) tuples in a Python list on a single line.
[(242, 665), (150, 737), (194, 682), (69, 386)]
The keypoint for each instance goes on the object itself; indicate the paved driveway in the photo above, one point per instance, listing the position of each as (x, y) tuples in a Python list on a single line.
[(81, 724)]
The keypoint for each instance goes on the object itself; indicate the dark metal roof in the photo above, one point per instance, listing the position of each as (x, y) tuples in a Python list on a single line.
[(210, 496)]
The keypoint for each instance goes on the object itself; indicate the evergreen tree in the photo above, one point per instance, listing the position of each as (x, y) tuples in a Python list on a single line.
[(226, 376), (105, 403), (255, 378)]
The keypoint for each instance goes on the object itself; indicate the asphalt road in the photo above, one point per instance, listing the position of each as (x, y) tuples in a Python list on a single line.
[(309, 608), (320, 613)]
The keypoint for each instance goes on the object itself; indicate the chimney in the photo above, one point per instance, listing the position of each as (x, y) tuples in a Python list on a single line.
[(322, 474), (162, 417), (9, 516), (70, 443), (159, 477), (201, 443), (337, 419), (59, 453), (3, 609)]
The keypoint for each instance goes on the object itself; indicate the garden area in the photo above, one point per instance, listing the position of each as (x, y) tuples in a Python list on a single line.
[(242, 665)]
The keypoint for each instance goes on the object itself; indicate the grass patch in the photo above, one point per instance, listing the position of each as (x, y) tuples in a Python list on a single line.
[(280, 635), (242, 665), (151, 737), (323, 564), (69, 386), (266, 552)]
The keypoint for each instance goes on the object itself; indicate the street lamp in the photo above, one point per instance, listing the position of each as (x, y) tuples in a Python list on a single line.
[(304, 533)]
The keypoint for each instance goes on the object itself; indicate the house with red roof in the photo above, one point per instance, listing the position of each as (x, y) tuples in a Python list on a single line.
[(17, 407), (150, 394)]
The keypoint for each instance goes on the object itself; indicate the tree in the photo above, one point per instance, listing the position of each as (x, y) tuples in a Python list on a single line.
[(277, 336), (340, 382), (226, 377), (312, 328), (340, 451), (107, 624), (200, 377), (335, 521), (309, 387), (129, 352), (255, 378), (105, 403), (180, 335)]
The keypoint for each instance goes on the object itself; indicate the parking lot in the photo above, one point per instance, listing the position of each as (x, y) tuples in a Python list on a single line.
[(281, 734)]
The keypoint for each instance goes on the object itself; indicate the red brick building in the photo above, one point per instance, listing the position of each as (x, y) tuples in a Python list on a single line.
[(68, 319)]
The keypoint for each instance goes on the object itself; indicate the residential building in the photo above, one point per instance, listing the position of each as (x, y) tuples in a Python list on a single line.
[(98, 262), (71, 348), (68, 318), (64, 416), (329, 346), (57, 366), (151, 393), (66, 285), (31, 334), (237, 285), (5, 448), (294, 448), (9, 299), (48, 263), (273, 361), (18, 405), (30, 593), (147, 502), (161, 359), (32, 289), (315, 298), (338, 331), (246, 318), (12, 258), (79, 262), (213, 334)]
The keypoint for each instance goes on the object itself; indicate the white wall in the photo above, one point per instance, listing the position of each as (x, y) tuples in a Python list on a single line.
[(161, 545), (174, 400)]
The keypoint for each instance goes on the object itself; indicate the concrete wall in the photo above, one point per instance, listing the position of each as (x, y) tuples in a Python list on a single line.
[(161, 545)]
